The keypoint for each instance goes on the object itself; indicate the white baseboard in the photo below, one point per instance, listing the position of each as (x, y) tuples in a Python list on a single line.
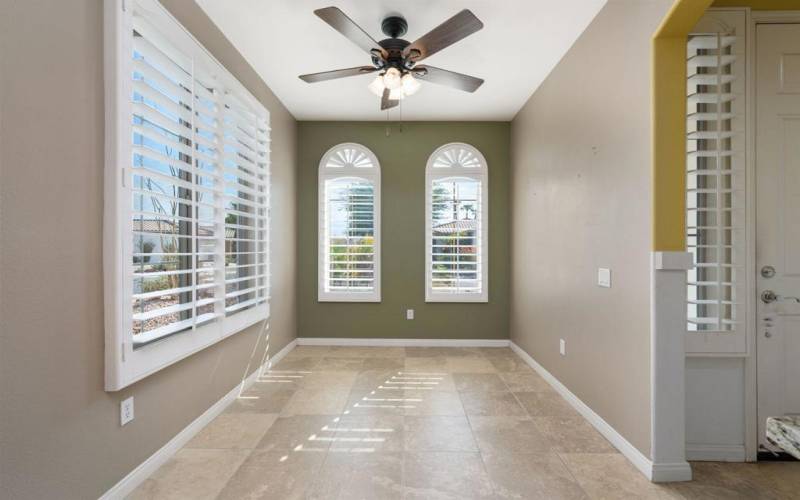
[(659, 473), (716, 452), (157, 459), (376, 342)]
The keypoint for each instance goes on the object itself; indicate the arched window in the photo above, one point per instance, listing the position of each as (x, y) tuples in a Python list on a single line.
[(456, 225), (349, 225)]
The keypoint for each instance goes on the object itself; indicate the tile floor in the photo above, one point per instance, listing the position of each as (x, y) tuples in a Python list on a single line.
[(422, 423)]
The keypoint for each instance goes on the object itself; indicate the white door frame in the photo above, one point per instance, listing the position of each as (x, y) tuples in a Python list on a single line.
[(750, 379)]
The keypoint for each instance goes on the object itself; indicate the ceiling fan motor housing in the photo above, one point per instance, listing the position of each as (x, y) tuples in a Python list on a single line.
[(394, 26)]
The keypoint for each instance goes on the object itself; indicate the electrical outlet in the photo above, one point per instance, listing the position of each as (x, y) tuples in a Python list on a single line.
[(409, 314), (562, 347), (126, 411), (604, 277)]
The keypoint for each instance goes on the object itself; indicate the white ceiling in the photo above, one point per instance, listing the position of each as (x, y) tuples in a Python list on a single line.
[(522, 40)]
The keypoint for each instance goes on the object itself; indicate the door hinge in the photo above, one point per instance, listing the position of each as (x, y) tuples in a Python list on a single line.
[(124, 7)]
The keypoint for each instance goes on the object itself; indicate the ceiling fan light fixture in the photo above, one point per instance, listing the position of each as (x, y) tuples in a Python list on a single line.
[(377, 86), (410, 84), (392, 79)]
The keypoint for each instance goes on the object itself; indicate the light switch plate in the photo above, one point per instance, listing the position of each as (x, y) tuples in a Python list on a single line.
[(604, 277), (562, 347), (409, 314), (126, 411)]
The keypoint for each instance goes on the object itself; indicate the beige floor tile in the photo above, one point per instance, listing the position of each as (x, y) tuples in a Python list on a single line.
[(737, 481), (336, 381), (784, 477), (429, 352), (439, 433), (369, 433), (296, 363), (308, 351), (612, 477), (469, 364), (429, 403), (546, 404), (191, 473), (497, 404), (262, 400), (389, 363), (508, 435), (303, 432), (280, 379), (495, 352), (534, 476), (360, 476), (431, 365), (366, 352), (269, 475), (572, 435), (316, 402), (423, 381), (509, 364), (481, 382), (525, 382), (234, 430), (443, 475), (377, 402), (341, 364)]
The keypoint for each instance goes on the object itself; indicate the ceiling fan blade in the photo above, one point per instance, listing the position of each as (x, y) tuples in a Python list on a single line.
[(339, 21), (337, 73), (450, 78), (387, 103), (449, 32)]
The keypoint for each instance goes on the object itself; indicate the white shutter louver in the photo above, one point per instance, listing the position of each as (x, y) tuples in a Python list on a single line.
[(456, 219), (192, 151), (349, 225), (716, 175)]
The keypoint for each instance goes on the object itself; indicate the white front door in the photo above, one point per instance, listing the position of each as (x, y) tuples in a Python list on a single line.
[(778, 220)]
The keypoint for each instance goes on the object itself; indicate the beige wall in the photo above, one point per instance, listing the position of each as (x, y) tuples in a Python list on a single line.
[(581, 195), (59, 431)]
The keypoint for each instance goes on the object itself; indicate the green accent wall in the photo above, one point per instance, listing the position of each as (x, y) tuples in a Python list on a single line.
[(403, 152)]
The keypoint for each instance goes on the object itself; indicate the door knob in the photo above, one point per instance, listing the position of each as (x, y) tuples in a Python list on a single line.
[(768, 296)]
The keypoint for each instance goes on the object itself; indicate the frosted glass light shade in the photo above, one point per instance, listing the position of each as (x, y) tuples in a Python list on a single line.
[(410, 84), (377, 86), (392, 79)]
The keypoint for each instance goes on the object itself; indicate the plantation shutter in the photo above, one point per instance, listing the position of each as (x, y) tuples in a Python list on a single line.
[(349, 225), (456, 219), (187, 179), (716, 177)]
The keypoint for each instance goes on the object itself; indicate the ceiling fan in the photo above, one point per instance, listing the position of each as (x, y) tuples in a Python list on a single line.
[(396, 59)]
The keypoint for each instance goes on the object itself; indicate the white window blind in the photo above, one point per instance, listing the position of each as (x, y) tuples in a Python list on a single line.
[(456, 225), (187, 196), (716, 176), (349, 225)]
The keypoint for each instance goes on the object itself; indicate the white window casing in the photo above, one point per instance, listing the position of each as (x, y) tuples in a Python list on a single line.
[(186, 222), (717, 172), (349, 225), (456, 225)]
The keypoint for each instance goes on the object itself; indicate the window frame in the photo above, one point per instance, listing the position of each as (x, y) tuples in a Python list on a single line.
[(481, 174), (370, 174), (124, 364)]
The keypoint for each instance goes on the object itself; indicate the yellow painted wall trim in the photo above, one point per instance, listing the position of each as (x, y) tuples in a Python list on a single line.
[(669, 123)]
